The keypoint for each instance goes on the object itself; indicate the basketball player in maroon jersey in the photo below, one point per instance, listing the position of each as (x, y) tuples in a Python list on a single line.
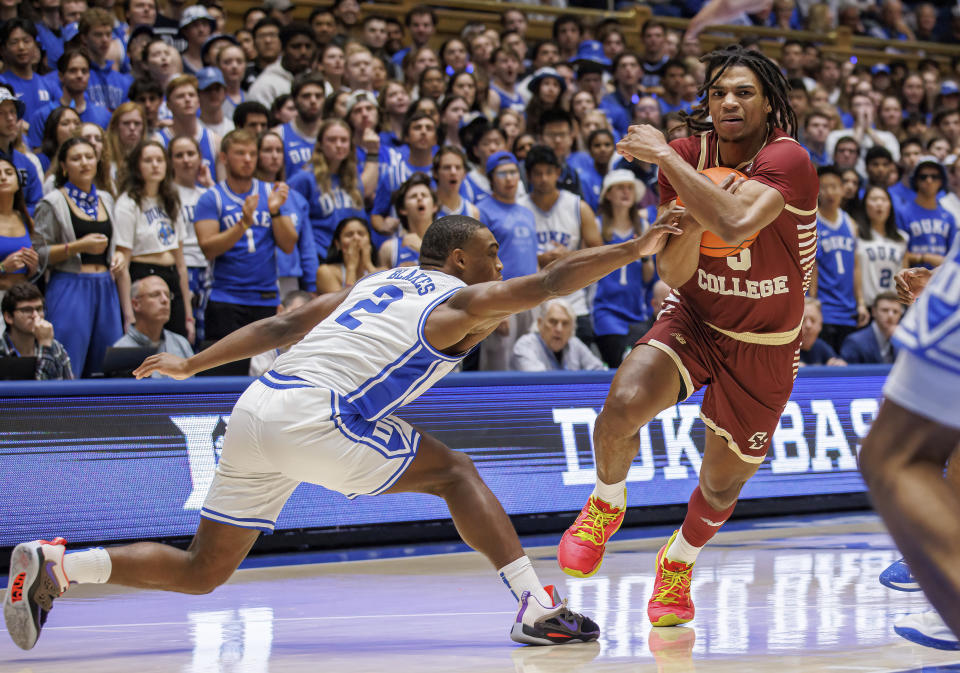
[(731, 323)]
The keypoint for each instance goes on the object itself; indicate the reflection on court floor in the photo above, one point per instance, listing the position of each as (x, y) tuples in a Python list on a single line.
[(777, 595)]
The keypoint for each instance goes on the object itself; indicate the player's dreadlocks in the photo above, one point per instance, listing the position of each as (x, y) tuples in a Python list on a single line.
[(775, 87)]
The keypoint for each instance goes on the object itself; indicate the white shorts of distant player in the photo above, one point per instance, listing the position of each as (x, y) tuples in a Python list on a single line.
[(925, 389), (284, 431)]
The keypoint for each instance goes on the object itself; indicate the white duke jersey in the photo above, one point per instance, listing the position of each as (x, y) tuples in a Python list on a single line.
[(560, 226), (931, 327), (371, 351)]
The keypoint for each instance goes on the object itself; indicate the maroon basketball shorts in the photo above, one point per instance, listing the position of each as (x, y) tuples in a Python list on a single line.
[(749, 377)]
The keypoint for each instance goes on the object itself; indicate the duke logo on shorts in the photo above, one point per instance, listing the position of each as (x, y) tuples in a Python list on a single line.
[(324, 413)]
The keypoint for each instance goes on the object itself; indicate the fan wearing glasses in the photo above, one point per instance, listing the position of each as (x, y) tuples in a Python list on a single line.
[(151, 300), (930, 228), (29, 334)]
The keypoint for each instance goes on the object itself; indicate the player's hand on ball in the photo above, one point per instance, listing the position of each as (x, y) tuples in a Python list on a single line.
[(643, 142), (910, 283), (164, 363), (653, 239), (732, 183)]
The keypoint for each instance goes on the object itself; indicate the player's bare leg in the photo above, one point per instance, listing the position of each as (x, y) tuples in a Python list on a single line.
[(214, 554), (483, 524), (897, 575), (646, 383), (475, 510), (722, 476), (903, 461), (40, 571)]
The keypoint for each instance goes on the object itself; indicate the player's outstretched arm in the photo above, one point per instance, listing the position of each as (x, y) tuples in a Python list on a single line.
[(478, 307), (257, 337)]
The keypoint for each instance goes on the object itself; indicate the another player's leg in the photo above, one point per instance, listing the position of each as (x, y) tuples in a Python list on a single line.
[(542, 618), (41, 571), (898, 576), (903, 461), (645, 384), (722, 475)]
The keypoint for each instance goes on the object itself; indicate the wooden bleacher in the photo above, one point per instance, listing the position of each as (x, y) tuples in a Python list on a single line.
[(840, 43)]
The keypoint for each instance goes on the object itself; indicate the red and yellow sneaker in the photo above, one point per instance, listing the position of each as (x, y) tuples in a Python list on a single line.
[(671, 603), (581, 548)]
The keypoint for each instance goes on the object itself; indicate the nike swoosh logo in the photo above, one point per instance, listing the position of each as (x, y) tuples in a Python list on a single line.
[(570, 626), (715, 524)]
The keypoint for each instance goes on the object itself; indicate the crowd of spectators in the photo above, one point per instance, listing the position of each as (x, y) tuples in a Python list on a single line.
[(164, 182)]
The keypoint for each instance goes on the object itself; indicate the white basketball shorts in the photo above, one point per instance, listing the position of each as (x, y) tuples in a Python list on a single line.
[(927, 390), (284, 431)]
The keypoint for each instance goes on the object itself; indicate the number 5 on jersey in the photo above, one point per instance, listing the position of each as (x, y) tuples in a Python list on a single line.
[(387, 294)]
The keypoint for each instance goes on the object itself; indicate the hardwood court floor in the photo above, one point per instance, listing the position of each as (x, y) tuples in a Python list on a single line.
[(779, 595)]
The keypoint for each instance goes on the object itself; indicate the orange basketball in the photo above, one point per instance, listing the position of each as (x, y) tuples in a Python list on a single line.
[(712, 245)]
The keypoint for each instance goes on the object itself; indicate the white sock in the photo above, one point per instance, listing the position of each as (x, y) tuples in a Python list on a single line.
[(92, 566), (681, 550), (612, 494), (519, 576)]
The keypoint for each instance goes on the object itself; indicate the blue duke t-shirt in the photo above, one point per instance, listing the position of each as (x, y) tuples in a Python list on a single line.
[(297, 150), (515, 229), (928, 231), (246, 273), (326, 209)]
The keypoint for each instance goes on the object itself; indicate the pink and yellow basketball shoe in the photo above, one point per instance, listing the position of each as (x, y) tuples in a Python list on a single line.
[(581, 548), (671, 603)]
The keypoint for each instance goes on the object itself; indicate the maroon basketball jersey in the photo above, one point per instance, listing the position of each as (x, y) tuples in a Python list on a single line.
[(757, 295)]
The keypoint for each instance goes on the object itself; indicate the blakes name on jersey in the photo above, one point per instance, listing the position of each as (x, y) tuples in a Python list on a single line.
[(418, 278)]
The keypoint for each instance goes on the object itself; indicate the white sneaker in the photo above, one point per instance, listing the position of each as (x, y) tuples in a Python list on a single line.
[(539, 624), (928, 629), (36, 578)]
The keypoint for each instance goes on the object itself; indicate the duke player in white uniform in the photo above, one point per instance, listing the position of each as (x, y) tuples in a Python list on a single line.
[(325, 414), (915, 436)]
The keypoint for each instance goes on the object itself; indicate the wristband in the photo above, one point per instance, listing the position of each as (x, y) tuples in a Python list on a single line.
[(276, 214), (373, 158)]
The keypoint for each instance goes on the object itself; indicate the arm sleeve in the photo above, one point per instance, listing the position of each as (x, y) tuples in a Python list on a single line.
[(586, 360), (307, 248), (288, 208), (381, 200), (785, 166), (33, 189), (206, 207), (46, 225), (300, 184), (524, 357), (53, 363), (689, 149), (851, 351)]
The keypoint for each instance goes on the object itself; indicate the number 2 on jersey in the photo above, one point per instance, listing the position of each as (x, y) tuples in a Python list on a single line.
[(387, 294)]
